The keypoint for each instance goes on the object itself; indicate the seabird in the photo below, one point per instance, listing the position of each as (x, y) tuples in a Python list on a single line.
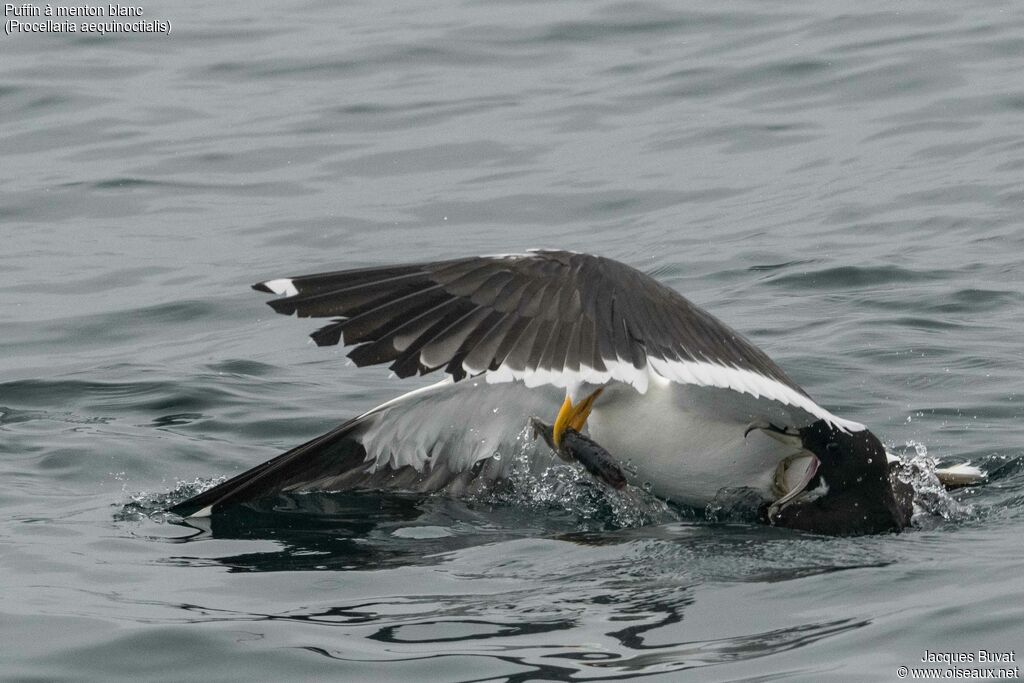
[(592, 345)]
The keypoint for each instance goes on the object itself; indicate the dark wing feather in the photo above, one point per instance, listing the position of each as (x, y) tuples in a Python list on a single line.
[(545, 310)]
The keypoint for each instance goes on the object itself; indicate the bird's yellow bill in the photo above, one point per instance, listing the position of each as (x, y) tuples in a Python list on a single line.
[(573, 416)]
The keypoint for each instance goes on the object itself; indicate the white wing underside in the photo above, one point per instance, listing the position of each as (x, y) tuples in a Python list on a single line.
[(461, 423)]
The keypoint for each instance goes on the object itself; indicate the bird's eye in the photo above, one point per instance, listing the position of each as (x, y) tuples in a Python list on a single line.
[(832, 447)]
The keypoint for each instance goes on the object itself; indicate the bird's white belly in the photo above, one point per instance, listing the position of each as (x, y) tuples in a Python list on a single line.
[(688, 442)]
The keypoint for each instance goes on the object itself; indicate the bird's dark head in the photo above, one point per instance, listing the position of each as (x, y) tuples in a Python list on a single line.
[(853, 476), (848, 459)]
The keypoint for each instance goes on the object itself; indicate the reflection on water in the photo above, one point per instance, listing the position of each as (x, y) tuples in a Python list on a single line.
[(320, 531), (501, 589)]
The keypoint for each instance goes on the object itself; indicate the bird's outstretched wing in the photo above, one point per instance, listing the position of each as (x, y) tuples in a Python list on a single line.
[(543, 317)]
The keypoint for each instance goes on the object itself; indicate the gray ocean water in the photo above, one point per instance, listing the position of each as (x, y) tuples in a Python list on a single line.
[(842, 182)]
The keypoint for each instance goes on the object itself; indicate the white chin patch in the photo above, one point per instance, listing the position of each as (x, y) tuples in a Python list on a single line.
[(282, 286)]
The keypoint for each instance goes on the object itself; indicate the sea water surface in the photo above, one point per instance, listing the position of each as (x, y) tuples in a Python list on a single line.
[(842, 182)]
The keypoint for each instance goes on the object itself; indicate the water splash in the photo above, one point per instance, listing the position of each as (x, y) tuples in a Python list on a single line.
[(143, 505), (539, 480), (735, 505), (931, 499)]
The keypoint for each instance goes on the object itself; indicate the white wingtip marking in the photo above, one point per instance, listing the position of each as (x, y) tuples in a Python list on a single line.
[(282, 286), (205, 512)]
